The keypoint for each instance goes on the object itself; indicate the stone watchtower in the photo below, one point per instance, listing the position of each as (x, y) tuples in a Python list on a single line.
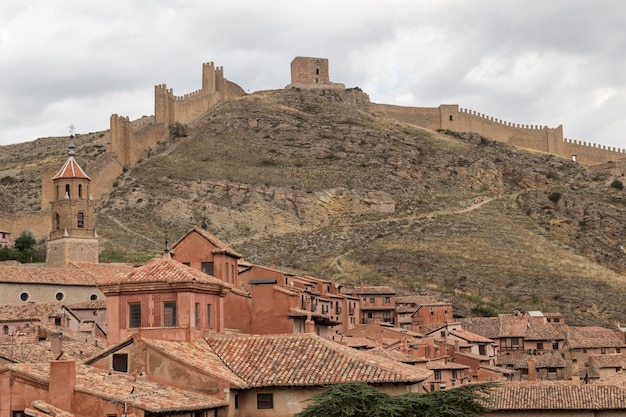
[(73, 237), (307, 72)]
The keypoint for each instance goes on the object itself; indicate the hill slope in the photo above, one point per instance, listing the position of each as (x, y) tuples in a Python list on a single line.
[(316, 183)]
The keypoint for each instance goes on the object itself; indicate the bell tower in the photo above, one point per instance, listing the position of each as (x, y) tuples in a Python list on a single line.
[(73, 237)]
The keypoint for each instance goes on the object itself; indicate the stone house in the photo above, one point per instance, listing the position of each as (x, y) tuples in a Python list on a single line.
[(549, 365), (447, 374), (377, 303), (260, 375)]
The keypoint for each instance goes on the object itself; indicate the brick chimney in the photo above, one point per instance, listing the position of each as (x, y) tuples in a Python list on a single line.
[(62, 382), (532, 369), (309, 325), (56, 343)]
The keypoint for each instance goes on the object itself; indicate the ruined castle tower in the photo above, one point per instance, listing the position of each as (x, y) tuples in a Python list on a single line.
[(309, 72), (73, 237)]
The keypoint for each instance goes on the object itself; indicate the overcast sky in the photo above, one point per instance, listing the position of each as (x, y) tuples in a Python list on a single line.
[(543, 62)]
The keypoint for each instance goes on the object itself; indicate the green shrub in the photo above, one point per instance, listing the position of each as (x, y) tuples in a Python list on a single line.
[(617, 184), (555, 197)]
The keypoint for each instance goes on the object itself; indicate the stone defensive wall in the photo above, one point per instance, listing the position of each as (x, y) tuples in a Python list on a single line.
[(129, 140), (534, 137)]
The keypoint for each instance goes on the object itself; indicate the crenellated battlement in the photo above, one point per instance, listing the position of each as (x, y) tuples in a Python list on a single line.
[(129, 144), (595, 146), (502, 122)]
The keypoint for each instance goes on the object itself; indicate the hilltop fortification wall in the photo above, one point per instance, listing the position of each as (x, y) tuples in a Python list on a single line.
[(129, 140), (534, 137)]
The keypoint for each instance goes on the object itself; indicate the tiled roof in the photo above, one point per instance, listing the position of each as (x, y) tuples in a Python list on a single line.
[(547, 359), (168, 271), (306, 360), (44, 275), (488, 327), (104, 271), (537, 396), (146, 395), (513, 325), (198, 355), (544, 331), (470, 337), (27, 311), (71, 169), (417, 300), (588, 337), (614, 360)]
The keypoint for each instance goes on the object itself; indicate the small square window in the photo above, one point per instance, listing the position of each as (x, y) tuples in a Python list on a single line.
[(264, 401), (120, 362)]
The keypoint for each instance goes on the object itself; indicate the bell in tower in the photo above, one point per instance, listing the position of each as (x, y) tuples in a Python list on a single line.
[(73, 237)]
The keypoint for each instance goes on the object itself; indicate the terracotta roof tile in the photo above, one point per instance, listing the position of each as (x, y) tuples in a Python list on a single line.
[(28, 312), (198, 355), (220, 247), (149, 396), (44, 275), (588, 337), (166, 270), (488, 327), (470, 337), (547, 359), (71, 169), (544, 331), (306, 360), (537, 396), (614, 360), (377, 289)]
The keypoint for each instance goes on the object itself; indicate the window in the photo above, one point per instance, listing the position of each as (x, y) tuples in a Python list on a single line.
[(24, 296), (67, 191), (18, 414), (482, 350), (386, 316), (264, 401), (451, 118), (57, 221), (197, 315), (539, 346), (59, 296), (80, 220), (515, 341), (555, 345), (236, 401), (437, 374), (208, 315), (387, 300), (93, 297), (618, 350), (80, 191), (120, 362), (207, 268), (169, 314), (603, 351), (370, 315), (372, 301), (134, 315), (5, 329)]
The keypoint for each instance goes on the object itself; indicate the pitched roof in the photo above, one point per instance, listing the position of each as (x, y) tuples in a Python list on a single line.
[(469, 336), (198, 355), (27, 312), (220, 247), (146, 395), (513, 325), (71, 169), (485, 326), (547, 359), (165, 271), (306, 360), (543, 331), (587, 337), (614, 360), (44, 275), (536, 396)]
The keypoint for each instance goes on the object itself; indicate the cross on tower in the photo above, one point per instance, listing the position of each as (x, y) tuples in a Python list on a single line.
[(72, 130)]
